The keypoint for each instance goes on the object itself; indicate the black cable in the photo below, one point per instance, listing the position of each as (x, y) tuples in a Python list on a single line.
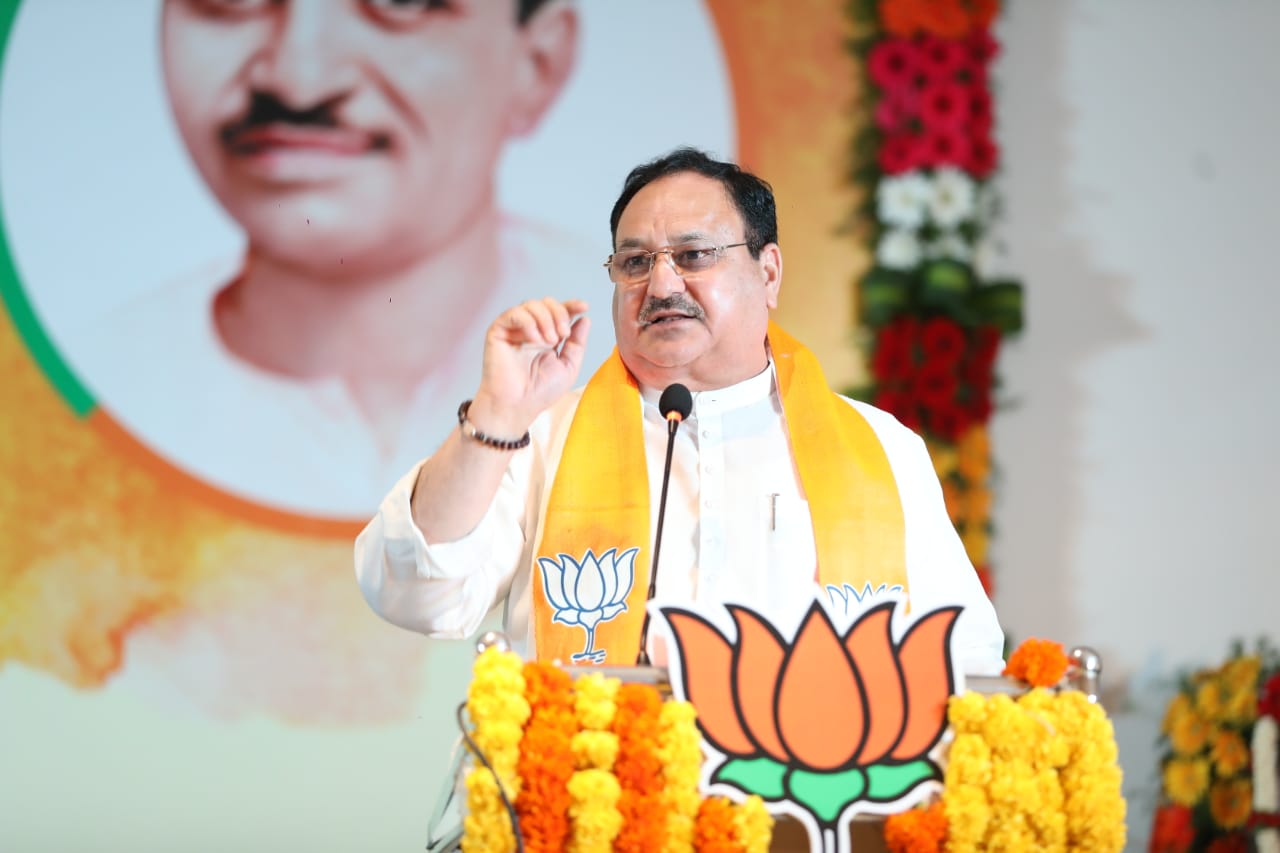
[(511, 810)]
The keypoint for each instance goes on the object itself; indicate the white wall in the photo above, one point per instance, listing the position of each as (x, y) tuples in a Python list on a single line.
[(1139, 456)]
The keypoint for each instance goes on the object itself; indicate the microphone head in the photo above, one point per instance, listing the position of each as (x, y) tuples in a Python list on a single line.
[(676, 402)]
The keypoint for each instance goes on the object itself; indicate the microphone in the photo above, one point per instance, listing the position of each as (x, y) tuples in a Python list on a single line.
[(675, 404)]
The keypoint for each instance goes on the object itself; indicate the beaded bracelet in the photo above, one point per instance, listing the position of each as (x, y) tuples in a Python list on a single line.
[(470, 431)]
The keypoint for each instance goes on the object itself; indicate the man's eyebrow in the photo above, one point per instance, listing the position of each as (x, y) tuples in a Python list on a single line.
[(687, 237)]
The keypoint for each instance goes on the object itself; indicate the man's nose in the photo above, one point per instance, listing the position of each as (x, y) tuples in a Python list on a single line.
[(664, 278), (306, 61)]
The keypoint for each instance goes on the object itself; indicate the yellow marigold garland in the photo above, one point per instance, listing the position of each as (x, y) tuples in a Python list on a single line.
[(498, 711), (752, 825), (593, 789), (680, 749), (1036, 773), (639, 770)]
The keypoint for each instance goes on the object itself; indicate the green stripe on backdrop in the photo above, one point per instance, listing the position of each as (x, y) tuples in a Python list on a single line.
[(13, 296)]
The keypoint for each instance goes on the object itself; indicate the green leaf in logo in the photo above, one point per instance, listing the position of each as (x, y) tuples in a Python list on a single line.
[(826, 794), (888, 782), (762, 776)]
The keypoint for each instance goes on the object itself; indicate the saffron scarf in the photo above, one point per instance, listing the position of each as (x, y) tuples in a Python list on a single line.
[(596, 527)]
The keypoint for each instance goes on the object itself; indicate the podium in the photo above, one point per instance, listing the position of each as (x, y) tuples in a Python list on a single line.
[(863, 832)]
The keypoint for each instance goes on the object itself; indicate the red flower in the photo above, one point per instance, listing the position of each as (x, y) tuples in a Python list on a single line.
[(942, 59), (981, 47), (943, 340), (896, 110), (945, 147), (986, 346), (899, 403), (894, 348), (981, 156), (899, 153), (1269, 698), (947, 421), (978, 404), (883, 701), (1172, 831), (944, 106), (893, 64), (980, 116), (984, 578), (935, 384)]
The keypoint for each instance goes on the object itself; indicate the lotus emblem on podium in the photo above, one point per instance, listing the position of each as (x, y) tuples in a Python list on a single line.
[(588, 592)]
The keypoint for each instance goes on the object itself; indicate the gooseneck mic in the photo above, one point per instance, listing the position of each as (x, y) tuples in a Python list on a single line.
[(675, 404)]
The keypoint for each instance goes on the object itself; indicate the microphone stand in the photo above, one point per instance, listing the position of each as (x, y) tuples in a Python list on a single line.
[(676, 403)]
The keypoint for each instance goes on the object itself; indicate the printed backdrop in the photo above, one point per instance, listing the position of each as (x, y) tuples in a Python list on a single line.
[(185, 657)]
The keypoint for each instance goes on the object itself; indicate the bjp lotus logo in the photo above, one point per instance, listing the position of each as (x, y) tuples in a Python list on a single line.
[(589, 592), (828, 723)]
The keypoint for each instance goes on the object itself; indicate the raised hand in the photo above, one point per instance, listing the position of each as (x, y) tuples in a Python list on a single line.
[(532, 355)]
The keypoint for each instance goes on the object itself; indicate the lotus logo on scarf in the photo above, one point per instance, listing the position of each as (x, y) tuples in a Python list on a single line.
[(825, 725), (851, 596), (589, 591)]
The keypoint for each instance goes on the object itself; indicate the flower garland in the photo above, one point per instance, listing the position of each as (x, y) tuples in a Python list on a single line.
[(546, 759), (639, 770), (593, 789), (680, 750), (1036, 773), (1218, 768), (498, 710), (934, 309), (592, 766), (921, 830)]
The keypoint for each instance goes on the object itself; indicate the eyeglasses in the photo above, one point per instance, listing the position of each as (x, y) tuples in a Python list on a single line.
[(633, 266)]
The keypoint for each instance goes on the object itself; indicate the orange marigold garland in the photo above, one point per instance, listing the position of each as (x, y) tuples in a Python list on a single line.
[(1040, 663), (639, 770), (546, 758), (916, 830)]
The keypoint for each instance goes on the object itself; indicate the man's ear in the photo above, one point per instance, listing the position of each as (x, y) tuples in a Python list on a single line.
[(771, 264), (548, 42)]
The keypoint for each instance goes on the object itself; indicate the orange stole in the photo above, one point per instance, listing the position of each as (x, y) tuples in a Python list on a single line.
[(599, 502)]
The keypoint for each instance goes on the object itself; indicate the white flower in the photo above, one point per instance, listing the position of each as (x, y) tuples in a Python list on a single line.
[(953, 198), (986, 205), (903, 199), (1265, 796), (899, 249), (951, 246)]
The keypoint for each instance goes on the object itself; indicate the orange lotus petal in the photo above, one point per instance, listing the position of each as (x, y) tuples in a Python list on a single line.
[(755, 680), (870, 644), (821, 715), (926, 671), (707, 660)]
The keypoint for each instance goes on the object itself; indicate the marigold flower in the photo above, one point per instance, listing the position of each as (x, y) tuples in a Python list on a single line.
[(1229, 752), (1040, 663), (1231, 802), (1189, 733), (916, 830), (1186, 780)]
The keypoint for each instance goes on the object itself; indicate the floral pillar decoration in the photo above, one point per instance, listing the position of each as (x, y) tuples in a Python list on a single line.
[(934, 310)]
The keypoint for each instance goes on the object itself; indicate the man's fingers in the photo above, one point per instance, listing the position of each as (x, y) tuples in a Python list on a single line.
[(575, 346)]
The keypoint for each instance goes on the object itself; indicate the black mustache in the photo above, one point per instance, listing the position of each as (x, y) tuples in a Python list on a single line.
[(674, 302), (266, 109)]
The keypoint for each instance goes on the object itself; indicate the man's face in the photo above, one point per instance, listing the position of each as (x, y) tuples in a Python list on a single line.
[(705, 330), (363, 129)]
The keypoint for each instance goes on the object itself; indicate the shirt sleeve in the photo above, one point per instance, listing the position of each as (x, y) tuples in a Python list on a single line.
[(443, 590), (939, 572)]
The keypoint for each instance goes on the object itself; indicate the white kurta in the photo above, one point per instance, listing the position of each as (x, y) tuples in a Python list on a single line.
[(737, 528)]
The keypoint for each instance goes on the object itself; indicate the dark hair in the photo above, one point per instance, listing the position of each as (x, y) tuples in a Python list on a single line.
[(526, 8), (752, 196)]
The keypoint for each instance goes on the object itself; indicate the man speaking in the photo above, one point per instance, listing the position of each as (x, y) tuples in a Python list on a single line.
[(779, 488)]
